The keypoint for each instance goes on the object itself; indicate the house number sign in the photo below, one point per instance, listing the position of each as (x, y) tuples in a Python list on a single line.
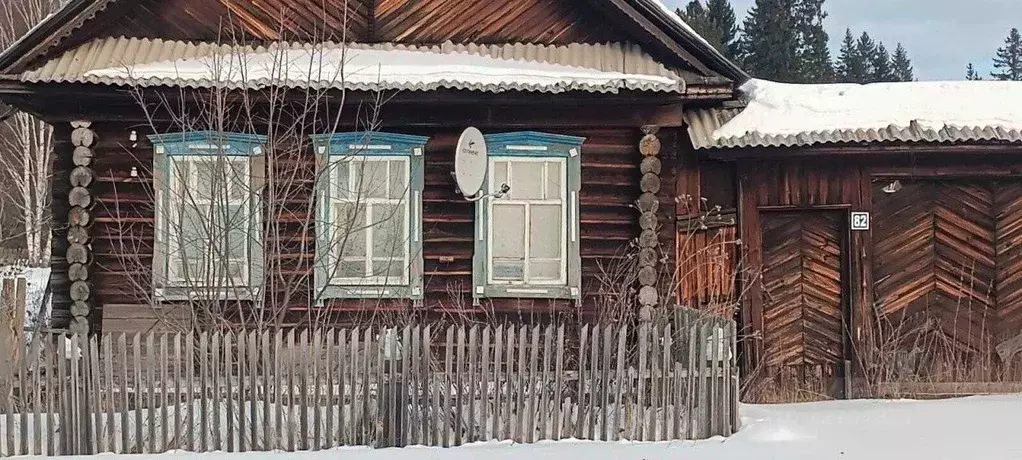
[(860, 221)]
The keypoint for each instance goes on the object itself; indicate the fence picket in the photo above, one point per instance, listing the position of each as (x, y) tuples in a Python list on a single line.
[(415, 374), (190, 384), (404, 415), (484, 386), (498, 389), (509, 397), (446, 386), (580, 394), (22, 357), (253, 385), (225, 377), (52, 398), (470, 383), (122, 350), (242, 386), (342, 373), (177, 390), (619, 378), (544, 413), (328, 366), (558, 382), (314, 353)]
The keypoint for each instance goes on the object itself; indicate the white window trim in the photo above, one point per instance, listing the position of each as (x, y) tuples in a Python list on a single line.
[(334, 256), (563, 202), (176, 203)]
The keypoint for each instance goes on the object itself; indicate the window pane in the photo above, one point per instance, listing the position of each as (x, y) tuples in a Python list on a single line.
[(341, 186), (372, 179), (236, 175), (351, 269), (545, 232), (205, 183), (237, 233), (398, 188), (349, 229), (388, 268), (528, 180), (180, 171), (194, 232), (388, 231), (544, 270), (504, 269), (508, 231), (499, 176), (553, 182)]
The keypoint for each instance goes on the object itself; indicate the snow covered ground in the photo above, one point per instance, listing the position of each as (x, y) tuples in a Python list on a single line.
[(977, 428)]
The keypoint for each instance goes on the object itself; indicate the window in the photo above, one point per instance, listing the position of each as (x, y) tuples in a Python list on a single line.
[(369, 242), (527, 240), (207, 215)]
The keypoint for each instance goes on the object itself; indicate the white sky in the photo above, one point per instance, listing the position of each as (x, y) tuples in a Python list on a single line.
[(941, 36)]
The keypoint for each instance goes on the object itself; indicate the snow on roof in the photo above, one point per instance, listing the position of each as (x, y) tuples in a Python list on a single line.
[(338, 66), (781, 114), (673, 16)]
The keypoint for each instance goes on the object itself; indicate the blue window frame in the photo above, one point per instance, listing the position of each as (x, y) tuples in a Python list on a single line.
[(527, 241), (369, 227), (208, 222)]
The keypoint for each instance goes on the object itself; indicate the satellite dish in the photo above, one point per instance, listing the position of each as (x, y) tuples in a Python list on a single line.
[(470, 162)]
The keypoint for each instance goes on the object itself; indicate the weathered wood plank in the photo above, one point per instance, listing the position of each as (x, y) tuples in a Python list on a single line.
[(583, 342)]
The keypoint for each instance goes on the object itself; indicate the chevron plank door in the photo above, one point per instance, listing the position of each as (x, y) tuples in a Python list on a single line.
[(944, 263), (803, 307)]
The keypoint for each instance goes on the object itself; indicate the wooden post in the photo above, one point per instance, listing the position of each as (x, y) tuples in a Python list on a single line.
[(80, 199), (648, 205)]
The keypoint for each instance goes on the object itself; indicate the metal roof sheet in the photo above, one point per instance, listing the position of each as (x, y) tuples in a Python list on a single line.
[(121, 52), (800, 115)]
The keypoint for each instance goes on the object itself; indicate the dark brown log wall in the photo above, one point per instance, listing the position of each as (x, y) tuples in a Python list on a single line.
[(123, 235)]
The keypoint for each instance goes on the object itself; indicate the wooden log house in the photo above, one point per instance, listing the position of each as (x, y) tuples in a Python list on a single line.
[(600, 85)]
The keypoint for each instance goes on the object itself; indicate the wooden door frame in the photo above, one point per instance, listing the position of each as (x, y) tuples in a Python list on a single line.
[(842, 211)]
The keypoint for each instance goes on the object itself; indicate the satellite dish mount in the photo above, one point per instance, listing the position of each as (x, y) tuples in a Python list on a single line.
[(471, 160)]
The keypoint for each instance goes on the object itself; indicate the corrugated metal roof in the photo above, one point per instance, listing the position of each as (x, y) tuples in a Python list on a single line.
[(791, 115), (913, 133), (703, 122), (107, 53)]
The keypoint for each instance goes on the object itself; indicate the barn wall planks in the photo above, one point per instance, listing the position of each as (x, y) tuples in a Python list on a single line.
[(953, 212), (122, 235)]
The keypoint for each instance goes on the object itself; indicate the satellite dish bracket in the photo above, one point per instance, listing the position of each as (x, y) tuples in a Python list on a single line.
[(504, 188)]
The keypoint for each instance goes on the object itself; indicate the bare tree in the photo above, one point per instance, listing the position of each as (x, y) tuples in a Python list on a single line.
[(290, 95), (27, 143)]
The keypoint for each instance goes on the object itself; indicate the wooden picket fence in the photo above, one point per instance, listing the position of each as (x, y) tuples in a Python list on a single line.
[(316, 389)]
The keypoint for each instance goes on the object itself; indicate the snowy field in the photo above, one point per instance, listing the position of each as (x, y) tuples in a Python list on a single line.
[(977, 428)]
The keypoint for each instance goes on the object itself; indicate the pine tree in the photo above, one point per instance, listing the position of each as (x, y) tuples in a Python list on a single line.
[(971, 74), (814, 55), (901, 65), (851, 66), (769, 43), (881, 64), (695, 15), (866, 49), (722, 15), (784, 40), (1008, 61)]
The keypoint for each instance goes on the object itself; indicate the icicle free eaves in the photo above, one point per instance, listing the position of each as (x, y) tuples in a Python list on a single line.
[(786, 115), (364, 68)]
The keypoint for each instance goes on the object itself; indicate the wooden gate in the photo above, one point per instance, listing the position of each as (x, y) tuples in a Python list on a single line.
[(947, 268), (803, 308)]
